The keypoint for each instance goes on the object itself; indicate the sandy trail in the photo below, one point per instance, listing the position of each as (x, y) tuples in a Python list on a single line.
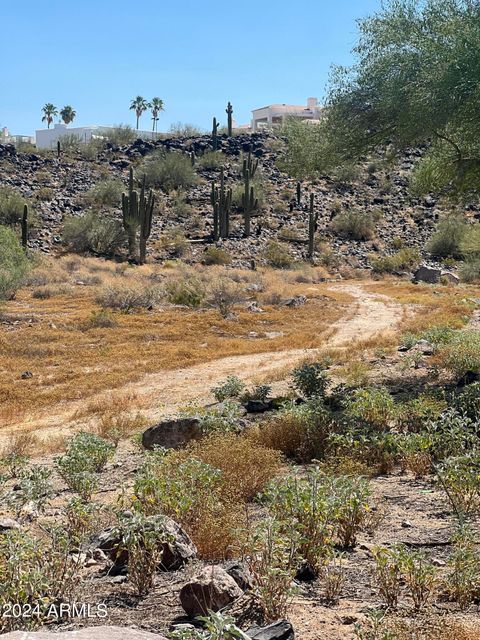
[(163, 392)]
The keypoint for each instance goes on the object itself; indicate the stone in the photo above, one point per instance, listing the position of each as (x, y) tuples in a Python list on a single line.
[(451, 277), (88, 633), (258, 406), (211, 589), (296, 301), (176, 552), (172, 434), (427, 274), (240, 573), (424, 347), (7, 524), (279, 630)]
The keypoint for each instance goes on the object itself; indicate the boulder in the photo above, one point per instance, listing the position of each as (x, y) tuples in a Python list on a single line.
[(172, 434), (240, 573), (258, 406), (7, 524), (451, 277), (427, 274), (176, 552), (89, 633), (210, 590), (279, 630)]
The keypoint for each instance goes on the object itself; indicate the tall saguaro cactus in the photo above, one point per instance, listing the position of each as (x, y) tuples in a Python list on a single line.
[(229, 111), (25, 226), (249, 202), (215, 134), (299, 193), (221, 199), (250, 165), (312, 226), (137, 214)]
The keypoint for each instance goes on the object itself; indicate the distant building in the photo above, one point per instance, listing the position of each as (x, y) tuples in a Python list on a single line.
[(7, 138), (275, 114), (48, 138)]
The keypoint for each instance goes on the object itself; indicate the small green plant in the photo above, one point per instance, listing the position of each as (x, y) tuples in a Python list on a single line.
[(310, 379), (405, 259), (259, 393), (80, 519), (277, 256), (231, 388), (463, 580), (388, 575), (214, 255), (373, 407), (189, 292), (14, 264), (355, 224), (11, 206), (168, 170), (332, 577), (105, 193), (459, 476), (217, 626), (93, 232), (447, 239), (462, 353), (34, 489)]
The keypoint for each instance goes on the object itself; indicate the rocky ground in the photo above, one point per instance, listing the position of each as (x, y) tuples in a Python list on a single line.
[(55, 187)]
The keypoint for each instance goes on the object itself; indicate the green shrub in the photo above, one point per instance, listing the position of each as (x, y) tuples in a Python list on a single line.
[(356, 225), (310, 379), (414, 414), (214, 255), (469, 271), (120, 135), (211, 160), (218, 626), (168, 171), (376, 450), (463, 579), (452, 434), (467, 401), (34, 488), (11, 206), (372, 407), (175, 241), (14, 264), (231, 388), (470, 243), (107, 192), (448, 237), (462, 353), (93, 232), (128, 297), (404, 259), (185, 291), (459, 476), (277, 256)]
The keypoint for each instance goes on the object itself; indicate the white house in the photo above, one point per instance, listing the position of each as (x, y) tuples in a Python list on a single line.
[(48, 138), (277, 113), (8, 138)]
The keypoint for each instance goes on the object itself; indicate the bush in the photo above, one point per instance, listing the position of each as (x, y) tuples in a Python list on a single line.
[(223, 294), (376, 450), (277, 256), (459, 476), (372, 407), (404, 259), (128, 297), (185, 291), (93, 232), (168, 171), (214, 255), (120, 135), (463, 580), (231, 388), (108, 192), (175, 241), (14, 264), (355, 225), (311, 380), (211, 160), (185, 130), (469, 271), (11, 206), (34, 488), (462, 353), (448, 237)]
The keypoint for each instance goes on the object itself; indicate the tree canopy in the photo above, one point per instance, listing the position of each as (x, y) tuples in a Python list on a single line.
[(416, 80)]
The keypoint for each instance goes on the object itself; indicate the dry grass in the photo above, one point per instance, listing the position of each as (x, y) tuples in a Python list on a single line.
[(70, 362)]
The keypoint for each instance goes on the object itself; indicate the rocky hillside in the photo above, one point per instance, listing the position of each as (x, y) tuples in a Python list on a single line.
[(56, 188)]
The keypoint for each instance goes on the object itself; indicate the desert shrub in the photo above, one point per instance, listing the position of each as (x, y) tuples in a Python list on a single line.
[(459, 476), (107, 192), (128, 297), (388, 575), (222, 419), (185, 291), (277, 256), (452, 434), (11, 206), (246, 467), (93, 232), (120, 135), (175, 241), (462, 353), (355, 224), (80, 517), (462, 583), (311, 380), (299, 432), (469, 271), (185, 130), (211, 160), (467, 401), (101, 319), (470, 243), (168, 170), (192, 493), (414, 414), (14, 264), (258, 393), (447, 239), (216, 626), (372, 407), (404, 259), (231, 388), (223, 295), (415, 453), (377, 449), (214, 255), (36, 573), (34, 488)]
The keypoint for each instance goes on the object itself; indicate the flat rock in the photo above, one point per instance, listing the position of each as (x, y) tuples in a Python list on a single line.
[(279, 630), (89, 633), (172, 434), (7, 524), (427, 274)]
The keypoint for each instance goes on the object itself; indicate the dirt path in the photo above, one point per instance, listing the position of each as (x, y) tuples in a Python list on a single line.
[(162, 393)]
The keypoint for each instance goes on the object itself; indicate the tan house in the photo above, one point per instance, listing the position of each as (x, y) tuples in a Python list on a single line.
[(275, 114)]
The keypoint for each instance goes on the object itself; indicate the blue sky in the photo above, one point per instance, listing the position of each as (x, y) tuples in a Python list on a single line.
[(194, 54)]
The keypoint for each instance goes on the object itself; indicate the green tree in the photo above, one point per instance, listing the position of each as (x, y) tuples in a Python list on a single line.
[(14, 263), (416, 80), (49, 111), (68, 114), (139, 105), (156, 105)]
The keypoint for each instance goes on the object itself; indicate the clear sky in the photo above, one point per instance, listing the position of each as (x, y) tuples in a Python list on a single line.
[(96, 55)]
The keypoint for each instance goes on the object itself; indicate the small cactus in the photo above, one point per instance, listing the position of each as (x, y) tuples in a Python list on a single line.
[(59, 148), (312, 226), (215, 135), (229, 111), (25, 226), (299, 193), (192, 158), (249, 203)]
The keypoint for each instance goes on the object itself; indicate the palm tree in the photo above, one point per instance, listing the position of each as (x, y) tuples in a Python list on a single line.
[(49, 110), (156, 105), (67, 114), (139, 105)]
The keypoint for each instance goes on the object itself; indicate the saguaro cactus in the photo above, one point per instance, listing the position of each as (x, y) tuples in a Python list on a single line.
[(215, 135), (25, 226), (229, 111), (299, 193), (250, 165), (249, 203), (221, 199), (137, 213), (312, 226)]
